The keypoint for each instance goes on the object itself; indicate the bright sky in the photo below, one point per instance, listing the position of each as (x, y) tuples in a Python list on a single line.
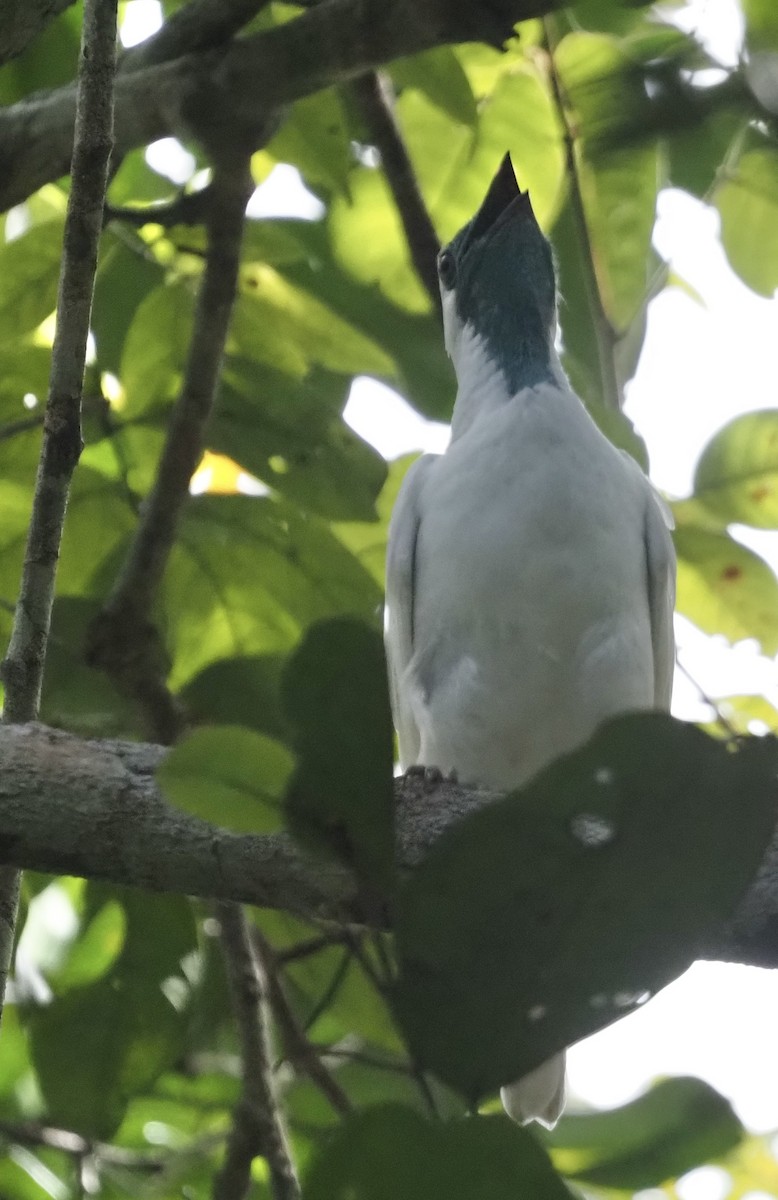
[(702, 365)]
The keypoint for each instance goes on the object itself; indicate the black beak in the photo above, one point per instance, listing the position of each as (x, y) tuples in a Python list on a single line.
[(504, 196)]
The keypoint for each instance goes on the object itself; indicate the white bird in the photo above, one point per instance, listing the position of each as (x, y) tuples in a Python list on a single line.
[(530, 571)]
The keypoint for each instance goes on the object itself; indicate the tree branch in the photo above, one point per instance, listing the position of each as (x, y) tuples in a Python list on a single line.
[(22, 20), (257, 1128), (122, 639), (22, 668), (298, 1050), (92, 809), (376, 109), (232, 92)]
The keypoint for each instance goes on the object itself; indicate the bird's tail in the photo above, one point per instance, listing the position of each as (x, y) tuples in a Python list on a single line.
[(539, 1096)]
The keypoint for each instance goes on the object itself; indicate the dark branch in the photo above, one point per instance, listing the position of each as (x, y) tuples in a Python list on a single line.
[(376, 109), (92, 809), (22, 20), (298, 1050), (257, 1128), (122, 639), (218, 96), (22, 668)]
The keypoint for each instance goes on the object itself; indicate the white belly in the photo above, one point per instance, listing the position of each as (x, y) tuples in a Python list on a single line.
[(531, 620)]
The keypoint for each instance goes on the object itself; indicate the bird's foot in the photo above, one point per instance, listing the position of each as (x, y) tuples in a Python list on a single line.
[(430, 777)]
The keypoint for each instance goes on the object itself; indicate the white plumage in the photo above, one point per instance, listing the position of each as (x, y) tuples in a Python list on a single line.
[(530, 588)]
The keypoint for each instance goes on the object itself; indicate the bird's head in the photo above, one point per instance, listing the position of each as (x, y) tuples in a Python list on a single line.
[(498, 286)]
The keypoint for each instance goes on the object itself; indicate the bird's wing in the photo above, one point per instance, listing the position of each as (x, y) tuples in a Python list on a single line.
[(400, 587), (660, 564)]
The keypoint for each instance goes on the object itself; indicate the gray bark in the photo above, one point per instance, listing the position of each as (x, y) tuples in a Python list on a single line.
[(93, 809)]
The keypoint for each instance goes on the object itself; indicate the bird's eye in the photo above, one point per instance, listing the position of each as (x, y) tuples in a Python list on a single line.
[(447, 268)]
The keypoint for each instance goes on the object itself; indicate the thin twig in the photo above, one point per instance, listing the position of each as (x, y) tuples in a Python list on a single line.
[(604, 332), (313, 945), (372, 96), (189, 208), (32, 1133), (122, 639), (298, 1050), (727, 727), (257, 1128), (22, 669)]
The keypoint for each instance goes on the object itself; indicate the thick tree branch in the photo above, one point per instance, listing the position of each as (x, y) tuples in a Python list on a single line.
[(257, 1128), (92, 809), (376, 109), (232, 92), (22, 20), (122, 640), (22, 668)]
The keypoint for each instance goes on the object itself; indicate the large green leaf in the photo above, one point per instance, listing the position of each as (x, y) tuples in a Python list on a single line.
[(155, 347), (229, 776), (341, 795), (26, 370), (248, 575), (439, 75), (95, 1046), (315, 137), (747, 200), (290, 329), (126, 274), (761, 25), (618, 185), (676, 1126), (725, 588), (241, 691), (736, 477), (550, 913), (291, 434), (414, 340), (390, 1151), (29, 274)]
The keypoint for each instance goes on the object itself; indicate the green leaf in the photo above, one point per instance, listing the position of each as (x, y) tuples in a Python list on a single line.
[(81, 1044), (125, 277), (315, 138), (229, 776), (414, 340), (725, 588), (291, 434), (678, 1125), (761, 25), (618, 186), (737, 475), (277, 323), (390, 1151), (439, 75), (241, 691), (156, 346), (747, 201), (341, 794), (26, 369), (248, 575), (94, 951), (29, 274), (77, 697), (550, 913), (96, 1046)]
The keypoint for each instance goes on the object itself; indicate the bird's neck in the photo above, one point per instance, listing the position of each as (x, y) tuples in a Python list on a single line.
[(491, 372)]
